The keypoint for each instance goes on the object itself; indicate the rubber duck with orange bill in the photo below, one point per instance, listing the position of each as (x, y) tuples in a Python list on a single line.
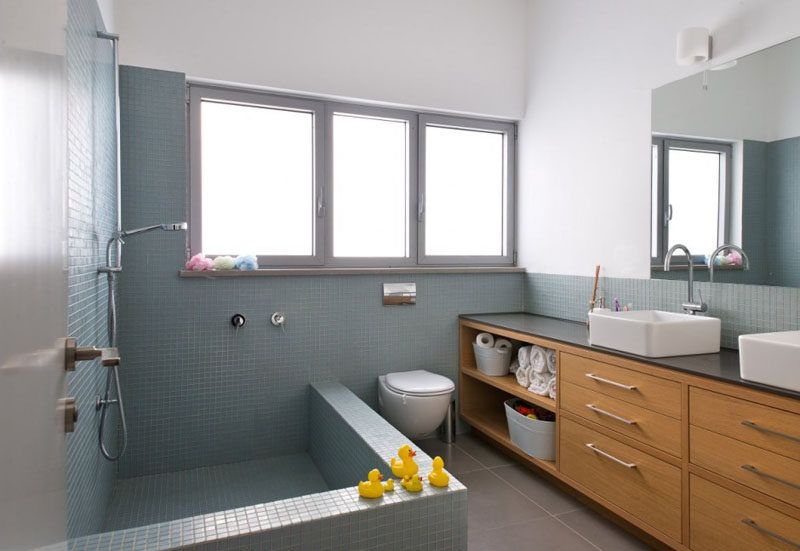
[(405, 467), (373, 488)]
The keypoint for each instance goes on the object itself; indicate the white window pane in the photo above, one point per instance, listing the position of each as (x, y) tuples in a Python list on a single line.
[(257, 180), (465, 192), (370, 187), (694, 196)]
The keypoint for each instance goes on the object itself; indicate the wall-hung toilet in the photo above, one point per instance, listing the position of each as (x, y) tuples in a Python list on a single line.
[(415, 402)]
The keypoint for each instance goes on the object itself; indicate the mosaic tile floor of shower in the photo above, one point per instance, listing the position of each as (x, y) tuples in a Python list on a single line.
[(158, 498)]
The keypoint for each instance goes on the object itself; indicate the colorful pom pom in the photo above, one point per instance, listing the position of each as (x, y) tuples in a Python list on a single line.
[(199, 262), (223, 263), (246, 262)]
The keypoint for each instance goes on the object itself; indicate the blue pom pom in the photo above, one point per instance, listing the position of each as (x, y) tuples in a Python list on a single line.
[(246, 262)]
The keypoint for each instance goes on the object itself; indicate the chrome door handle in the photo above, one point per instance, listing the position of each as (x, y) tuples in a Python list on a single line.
[(752, 524), (609, 414), (611, 457), (610, 382), (751, 469), (770, 431), (74, 353)]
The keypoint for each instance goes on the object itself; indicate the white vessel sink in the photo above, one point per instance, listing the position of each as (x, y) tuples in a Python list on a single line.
[(655, 334), (771, 358)]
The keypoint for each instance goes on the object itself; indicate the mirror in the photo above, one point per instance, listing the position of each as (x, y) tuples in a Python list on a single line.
[(726, 166)]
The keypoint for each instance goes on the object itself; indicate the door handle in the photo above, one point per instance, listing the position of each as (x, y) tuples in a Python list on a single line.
[(74, 353), (70, 410)]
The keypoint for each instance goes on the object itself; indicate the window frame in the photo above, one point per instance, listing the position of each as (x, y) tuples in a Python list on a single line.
[(664, 144), (508, 130), (332, 108), (196, 95), (323, 111)]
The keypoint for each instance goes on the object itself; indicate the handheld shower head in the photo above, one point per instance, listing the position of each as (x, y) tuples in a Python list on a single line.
[(177, 226)]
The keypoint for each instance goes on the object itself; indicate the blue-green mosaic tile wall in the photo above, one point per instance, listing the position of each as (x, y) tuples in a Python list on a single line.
[(91, 184), (742, 308), (200, 393), (783, 162)]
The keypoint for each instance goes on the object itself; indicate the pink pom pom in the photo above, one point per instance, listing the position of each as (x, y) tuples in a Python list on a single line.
[(734, 258), (199, 262)]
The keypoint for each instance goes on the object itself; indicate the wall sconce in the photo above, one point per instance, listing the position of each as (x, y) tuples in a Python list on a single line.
[(694, 46)]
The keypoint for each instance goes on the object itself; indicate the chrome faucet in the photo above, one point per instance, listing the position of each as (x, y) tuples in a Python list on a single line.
[(690, 306), (745, 260)]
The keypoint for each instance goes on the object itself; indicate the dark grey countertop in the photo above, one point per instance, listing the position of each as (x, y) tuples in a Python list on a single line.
[(723, 366)]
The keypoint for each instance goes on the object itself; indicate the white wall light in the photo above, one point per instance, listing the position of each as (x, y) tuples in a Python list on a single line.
[(694, 46)]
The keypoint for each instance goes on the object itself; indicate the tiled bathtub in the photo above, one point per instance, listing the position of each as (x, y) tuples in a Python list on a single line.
[(347, 439)]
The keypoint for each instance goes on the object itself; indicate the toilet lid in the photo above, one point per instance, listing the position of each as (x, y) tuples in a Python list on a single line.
[(419, 383)]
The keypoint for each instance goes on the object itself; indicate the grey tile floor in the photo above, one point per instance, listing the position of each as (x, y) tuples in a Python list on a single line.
[(170, 496), (512, 508)]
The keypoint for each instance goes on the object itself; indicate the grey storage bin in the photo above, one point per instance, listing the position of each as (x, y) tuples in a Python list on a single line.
[(534, 437), (492, 361)]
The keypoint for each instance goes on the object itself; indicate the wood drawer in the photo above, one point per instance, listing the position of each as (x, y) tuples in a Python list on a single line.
[(647, 426), (648, 391), (771, 429), (716, 521), (650, 490), (727, 457)]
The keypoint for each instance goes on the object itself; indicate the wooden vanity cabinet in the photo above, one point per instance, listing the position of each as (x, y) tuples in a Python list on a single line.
[(693, 462)]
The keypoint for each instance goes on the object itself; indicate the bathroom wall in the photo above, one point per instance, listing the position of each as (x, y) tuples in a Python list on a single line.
[(90, 210), (461, 55), (198, 392), (742, 308), (783, 170), (584, 181)]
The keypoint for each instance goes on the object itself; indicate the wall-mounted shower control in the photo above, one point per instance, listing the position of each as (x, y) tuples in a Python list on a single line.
[(278, 319), (238, 320)]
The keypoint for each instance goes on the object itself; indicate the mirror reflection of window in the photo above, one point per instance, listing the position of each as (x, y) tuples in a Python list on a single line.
[(691, 186)]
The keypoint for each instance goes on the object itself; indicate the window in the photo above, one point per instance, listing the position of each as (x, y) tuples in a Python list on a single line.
[(301, 182), (691, 187)]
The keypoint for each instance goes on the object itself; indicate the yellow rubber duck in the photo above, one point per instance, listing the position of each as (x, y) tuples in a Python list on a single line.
[(413, 484), (438, 477), (405, 467), (373, 487), (389, 486)]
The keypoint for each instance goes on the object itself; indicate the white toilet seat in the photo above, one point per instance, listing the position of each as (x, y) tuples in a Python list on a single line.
[(419, 383)]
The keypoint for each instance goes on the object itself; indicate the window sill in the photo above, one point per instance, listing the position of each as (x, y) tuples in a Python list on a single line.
[(267, 272)]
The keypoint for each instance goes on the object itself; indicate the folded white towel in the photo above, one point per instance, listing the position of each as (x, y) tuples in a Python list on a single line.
[(539, 382), (514, 366), (524, 355), (538, 360), (522, 376), (551, 360), (551, 388), (502, 343)]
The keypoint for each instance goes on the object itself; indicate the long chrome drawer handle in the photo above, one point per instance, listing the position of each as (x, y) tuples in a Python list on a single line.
[(770, 431), (610, 382), (752, 469), (609, 414), (611, 457), (769, 533)]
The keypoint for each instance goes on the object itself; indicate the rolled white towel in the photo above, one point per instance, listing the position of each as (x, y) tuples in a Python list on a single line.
[(514, 366), (503, 343), (539, 382), (485, 340), (551, 388), (538, 360), (522, 376), (524, 356), (551, 360)]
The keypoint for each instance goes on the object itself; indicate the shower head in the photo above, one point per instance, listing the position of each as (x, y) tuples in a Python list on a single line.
[(178, 226)]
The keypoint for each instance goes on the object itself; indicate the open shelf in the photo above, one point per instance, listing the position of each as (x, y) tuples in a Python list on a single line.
[(508, 383), (493, 424)]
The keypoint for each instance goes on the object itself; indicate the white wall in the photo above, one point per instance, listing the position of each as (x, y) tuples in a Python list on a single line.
[(584, 144), (454, 55)]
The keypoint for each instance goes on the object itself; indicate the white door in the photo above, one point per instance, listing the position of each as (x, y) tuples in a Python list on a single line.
[(33, 282)]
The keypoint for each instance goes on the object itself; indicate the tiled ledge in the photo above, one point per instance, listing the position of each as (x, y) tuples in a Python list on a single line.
[(212, 274)]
